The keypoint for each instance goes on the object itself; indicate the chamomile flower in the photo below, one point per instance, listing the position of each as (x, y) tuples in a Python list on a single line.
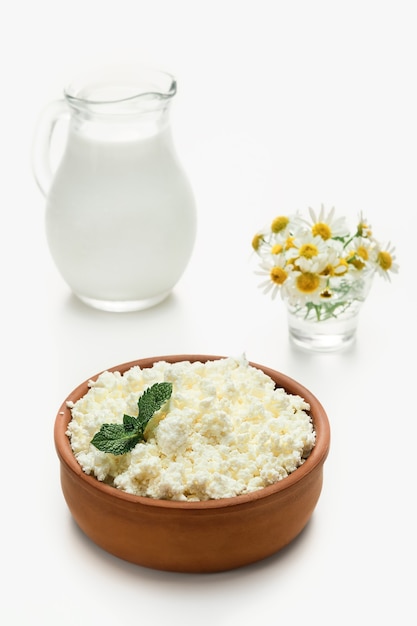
[(257, 241), (359, 253), (385, 261), (337, 264), (325, 225), (276, 274), (305, 287), (311, 253), (280, 225)]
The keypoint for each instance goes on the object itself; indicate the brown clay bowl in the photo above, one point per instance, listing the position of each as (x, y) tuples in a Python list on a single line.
[(209, 536)]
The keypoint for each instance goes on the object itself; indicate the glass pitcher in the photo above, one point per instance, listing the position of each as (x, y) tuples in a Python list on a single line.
[(120, 212)]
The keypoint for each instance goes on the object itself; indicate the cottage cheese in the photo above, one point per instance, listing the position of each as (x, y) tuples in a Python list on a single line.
[(225, 431)]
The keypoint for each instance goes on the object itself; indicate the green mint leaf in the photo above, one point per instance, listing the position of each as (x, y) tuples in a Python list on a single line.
[(115, 438), (152, 400), (131, 424), (121, 438)]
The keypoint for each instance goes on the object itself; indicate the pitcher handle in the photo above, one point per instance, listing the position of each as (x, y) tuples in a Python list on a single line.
[(41, 149)]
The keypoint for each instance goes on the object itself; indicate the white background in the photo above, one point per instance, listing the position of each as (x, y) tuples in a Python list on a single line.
[(280, 105)]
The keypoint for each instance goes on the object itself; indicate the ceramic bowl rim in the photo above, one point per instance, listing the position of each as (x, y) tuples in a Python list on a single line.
[(316, 458)]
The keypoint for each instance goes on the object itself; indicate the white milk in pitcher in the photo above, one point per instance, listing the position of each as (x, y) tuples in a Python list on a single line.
[(120, 219)]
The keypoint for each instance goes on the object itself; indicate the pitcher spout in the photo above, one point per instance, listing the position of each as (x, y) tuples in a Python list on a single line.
[(121, 91)]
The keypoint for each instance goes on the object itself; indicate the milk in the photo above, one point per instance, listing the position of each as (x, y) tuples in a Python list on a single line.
[(120, 217)]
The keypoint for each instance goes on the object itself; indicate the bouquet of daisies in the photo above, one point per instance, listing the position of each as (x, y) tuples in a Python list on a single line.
[(317, 264)]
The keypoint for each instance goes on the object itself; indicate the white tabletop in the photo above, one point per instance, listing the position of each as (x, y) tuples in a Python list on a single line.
[(280, 106)]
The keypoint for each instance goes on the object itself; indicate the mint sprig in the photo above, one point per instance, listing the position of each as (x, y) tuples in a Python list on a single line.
[(121, 438)]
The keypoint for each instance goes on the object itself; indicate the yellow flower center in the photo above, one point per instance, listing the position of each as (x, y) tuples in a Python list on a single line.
[(385, 260), (358, 264), (322, 229), (279, 223), (256, 242), (307, 282), (289, 243), (278, 275), (308, 250), (362, 252), (277, 248)]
